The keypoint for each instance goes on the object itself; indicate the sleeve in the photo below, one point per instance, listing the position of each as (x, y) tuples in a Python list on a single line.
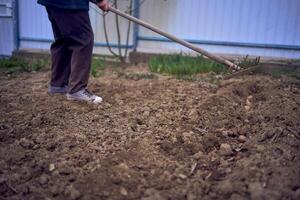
[(95, 1)]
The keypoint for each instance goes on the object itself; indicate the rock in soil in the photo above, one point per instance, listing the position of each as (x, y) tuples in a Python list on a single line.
[(51, 167)]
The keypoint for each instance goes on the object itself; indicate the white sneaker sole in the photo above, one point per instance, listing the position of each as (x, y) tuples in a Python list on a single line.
[(70, 98)]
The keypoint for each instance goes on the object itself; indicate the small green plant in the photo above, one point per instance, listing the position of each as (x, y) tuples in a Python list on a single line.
[(295, 61), (138, 76), (182, 65), (97, 66), (297, 73), (246, 61), (17, 65), (39, 64), (14, 64), (278, 73)]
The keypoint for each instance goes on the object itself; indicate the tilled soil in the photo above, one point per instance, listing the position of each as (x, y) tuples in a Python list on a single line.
[(151, 139)]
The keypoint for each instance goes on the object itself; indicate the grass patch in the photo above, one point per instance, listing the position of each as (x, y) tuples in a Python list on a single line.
[(278, 73), (295, 61), (210, 78), (97, 67), (17, 65), (137, 76), (183, 65)]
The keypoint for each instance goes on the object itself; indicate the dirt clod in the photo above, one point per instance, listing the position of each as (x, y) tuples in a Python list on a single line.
[(25, 143), (242, 138), (43, 180), (225, 149), (297, 194), (64, 169), (152, 194), (123, 191), (72, 193), (56, 189)]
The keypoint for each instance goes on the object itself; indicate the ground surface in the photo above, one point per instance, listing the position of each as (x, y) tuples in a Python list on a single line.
[(151, 139)]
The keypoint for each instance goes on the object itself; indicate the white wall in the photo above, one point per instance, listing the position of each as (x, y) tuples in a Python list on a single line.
[(271, 22), (6, 28), (34, 25)]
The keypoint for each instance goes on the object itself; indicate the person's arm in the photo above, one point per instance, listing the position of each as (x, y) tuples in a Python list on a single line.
[(102, 4)]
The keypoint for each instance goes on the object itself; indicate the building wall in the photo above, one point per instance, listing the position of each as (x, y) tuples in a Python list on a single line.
[(235, 23), (254, 27), (6, 31), (35, 29)]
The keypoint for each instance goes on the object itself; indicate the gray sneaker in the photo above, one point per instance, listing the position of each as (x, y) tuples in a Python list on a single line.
[(84, 95), (58, 90)]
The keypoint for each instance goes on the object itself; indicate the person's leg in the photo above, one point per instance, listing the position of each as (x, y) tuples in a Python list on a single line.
[(60, 56), (76, 30), (61, 64), (82, 47)]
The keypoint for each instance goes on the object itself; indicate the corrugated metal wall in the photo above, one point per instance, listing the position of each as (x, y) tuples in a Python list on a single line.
[(36, 32), (97, 23), (272, 23), (221, 26)]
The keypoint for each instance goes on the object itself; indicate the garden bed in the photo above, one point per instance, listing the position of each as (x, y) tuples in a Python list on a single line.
[(154, 137)]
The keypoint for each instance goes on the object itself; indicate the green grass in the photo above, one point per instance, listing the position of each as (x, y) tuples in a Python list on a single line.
[(98, 65), (296, 61), (139, 76), (182, 65), (17, 65), (278, 73)]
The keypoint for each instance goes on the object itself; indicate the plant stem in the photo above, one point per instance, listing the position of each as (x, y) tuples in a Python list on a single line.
[(119, 34)]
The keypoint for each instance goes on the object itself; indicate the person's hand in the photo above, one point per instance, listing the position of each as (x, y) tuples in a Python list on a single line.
[(104, 5)]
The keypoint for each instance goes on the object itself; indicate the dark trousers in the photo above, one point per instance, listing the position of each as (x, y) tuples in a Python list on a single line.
[(71, 52)]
